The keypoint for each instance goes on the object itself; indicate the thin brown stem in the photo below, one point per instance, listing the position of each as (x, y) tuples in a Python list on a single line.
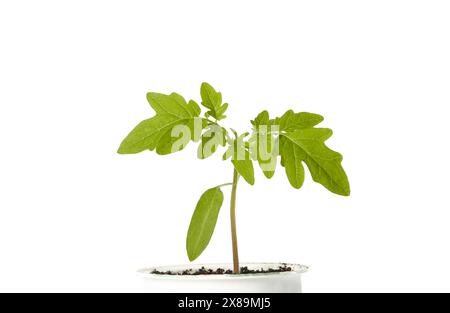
[(233, 223)]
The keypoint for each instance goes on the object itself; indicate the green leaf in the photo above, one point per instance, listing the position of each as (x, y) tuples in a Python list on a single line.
[(301, 120), (172, 104), (194, 107), (163, 130), (211, 139), (245, 169), (264, 149), (264, 143), (147, 134), (282, 121), (212, 100), (290, 156), (203, 222), (268, 160), (291, 121), (222, 109), (241, 157), (268, 167), (261, 119), (210, 97), (177, 138), (308, 145)]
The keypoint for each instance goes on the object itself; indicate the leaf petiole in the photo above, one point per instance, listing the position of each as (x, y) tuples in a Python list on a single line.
[(223, 185)]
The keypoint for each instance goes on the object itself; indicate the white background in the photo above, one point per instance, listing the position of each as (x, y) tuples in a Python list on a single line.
[(75, 216)]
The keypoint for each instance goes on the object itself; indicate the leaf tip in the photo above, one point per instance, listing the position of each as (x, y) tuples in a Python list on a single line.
[(296, 185), (124, 148), (346, 192), (250, 180), (190, 255), (206, 86), (149, 96)]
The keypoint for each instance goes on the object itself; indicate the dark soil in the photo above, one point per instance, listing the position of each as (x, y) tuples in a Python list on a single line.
[(221, 271)]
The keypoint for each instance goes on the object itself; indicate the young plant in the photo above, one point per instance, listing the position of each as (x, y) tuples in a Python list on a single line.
[(292, 137)]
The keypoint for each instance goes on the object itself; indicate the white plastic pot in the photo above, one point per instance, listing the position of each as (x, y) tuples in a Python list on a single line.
[(284, 282)]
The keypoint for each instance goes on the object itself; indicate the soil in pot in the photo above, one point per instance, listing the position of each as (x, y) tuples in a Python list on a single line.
[(220, 271)]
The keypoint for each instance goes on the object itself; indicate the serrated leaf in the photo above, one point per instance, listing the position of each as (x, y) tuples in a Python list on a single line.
[(212, 100), (203, 222), (172, 112), (323, 163)]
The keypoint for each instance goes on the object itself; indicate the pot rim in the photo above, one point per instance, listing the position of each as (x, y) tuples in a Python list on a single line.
[(146, 272)]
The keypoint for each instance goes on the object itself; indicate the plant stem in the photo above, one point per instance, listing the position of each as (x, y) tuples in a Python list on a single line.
[(223, 185), (233, 223)]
